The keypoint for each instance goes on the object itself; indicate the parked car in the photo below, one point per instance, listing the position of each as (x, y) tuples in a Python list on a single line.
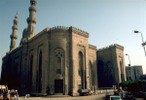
[(85, 92), (113, 97), (129, 96)]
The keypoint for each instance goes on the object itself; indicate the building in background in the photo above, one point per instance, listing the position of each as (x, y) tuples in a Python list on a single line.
[(110, 65), (134, 72)]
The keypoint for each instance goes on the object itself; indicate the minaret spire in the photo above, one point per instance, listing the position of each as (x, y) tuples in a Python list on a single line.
[(29, 32), (31, 20), (13, 36)]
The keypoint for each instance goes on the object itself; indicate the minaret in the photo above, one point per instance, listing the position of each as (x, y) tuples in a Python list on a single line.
[(13, 36), (31, 20)]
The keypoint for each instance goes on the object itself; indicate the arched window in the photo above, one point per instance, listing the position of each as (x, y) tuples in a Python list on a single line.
[(31, 61), (30, 75), (92, 73), (80, 63), (121, 68), (82, 70), (40, 72), (59, 65), (40, 60), (59, 56)]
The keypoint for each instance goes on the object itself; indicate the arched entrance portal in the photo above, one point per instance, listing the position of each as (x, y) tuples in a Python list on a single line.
[(58, 85), (82, 71), (59, 63)]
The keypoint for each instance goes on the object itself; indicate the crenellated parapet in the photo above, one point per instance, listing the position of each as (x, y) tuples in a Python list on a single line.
[(71, 29), (117, 46), (92, 47), (44, 31), (59, 28), (112, 46), (79, 31)]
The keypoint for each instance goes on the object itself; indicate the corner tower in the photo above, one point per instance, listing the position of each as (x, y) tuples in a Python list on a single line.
[(13, 36)]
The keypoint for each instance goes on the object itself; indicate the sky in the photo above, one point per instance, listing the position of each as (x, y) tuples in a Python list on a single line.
[(107, 22)]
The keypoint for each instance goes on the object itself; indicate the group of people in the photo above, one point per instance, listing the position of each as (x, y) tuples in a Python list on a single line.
[(6, 94)]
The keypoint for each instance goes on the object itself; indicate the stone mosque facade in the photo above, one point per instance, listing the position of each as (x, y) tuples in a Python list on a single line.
[(55, 60), (110, 62)]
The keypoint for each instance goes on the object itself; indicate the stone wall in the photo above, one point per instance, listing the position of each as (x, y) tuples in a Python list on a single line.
[(111, 61), (37, 45)]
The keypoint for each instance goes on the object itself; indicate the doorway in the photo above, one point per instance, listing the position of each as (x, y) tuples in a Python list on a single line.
[(59, 86)]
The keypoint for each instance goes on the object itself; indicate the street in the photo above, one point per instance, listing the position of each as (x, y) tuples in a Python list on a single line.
[(56, 97), (91, 97)]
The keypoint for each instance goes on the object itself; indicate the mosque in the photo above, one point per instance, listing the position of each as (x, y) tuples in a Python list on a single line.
[(57, 60)]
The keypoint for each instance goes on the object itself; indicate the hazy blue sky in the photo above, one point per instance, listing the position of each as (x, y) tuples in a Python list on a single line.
[(106, 21)]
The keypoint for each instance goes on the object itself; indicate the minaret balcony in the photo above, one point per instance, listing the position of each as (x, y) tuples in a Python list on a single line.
[(33, 20), (12, 36), (32, 8), (14, 27)]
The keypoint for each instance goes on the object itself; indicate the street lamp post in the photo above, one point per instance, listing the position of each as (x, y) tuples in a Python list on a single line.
[(143, 43), (128, 59)]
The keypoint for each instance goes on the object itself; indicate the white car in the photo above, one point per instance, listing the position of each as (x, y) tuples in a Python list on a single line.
[(114, 97)]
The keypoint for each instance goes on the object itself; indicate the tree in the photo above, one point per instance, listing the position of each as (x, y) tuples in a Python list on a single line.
[(134, 86)]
